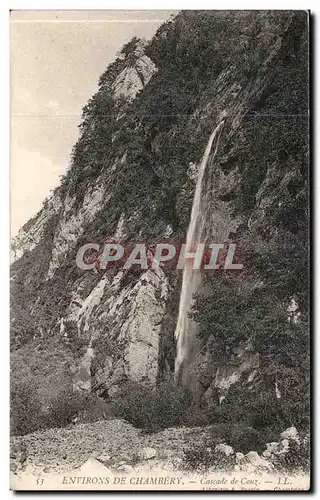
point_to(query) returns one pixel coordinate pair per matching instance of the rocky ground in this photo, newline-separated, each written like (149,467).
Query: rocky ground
(121,447)
(113,442)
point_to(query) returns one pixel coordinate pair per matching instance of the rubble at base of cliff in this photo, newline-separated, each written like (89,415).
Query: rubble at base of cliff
(122,448)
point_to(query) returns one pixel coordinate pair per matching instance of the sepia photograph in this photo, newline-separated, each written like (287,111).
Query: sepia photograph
(160,250)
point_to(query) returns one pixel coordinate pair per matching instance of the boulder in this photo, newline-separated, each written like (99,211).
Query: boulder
(254,458)
(104,458)
(147,453)
(291,434)
(127,469)
(239,456)
(245,467)
(272,449)
(224,448)
(306,440)
(284,446)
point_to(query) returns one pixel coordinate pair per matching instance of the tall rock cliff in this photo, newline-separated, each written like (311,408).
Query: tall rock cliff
(132,178)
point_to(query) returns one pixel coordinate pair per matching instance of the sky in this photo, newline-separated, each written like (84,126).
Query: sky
(56,60)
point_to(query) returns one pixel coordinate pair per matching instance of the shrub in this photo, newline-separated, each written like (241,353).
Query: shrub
(296,459)
(151,409)
(64,407)
(254,416)
(94,409)
(194,416)
(25,407)
(202,458)
(245,438)
(29,413)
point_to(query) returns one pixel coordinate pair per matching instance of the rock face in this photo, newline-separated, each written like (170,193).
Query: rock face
(32,232)
(131,350)
(71,224)
(133,79)
(136,313)
(247,363)
(132,178)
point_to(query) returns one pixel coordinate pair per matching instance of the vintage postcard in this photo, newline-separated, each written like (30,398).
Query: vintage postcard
(160,250)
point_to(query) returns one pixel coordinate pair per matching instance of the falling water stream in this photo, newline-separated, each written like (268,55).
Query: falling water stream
(186,329)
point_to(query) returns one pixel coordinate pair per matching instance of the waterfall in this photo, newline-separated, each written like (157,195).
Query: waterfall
(186,329)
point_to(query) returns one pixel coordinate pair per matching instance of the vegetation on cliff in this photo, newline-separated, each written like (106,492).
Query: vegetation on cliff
(253,67)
